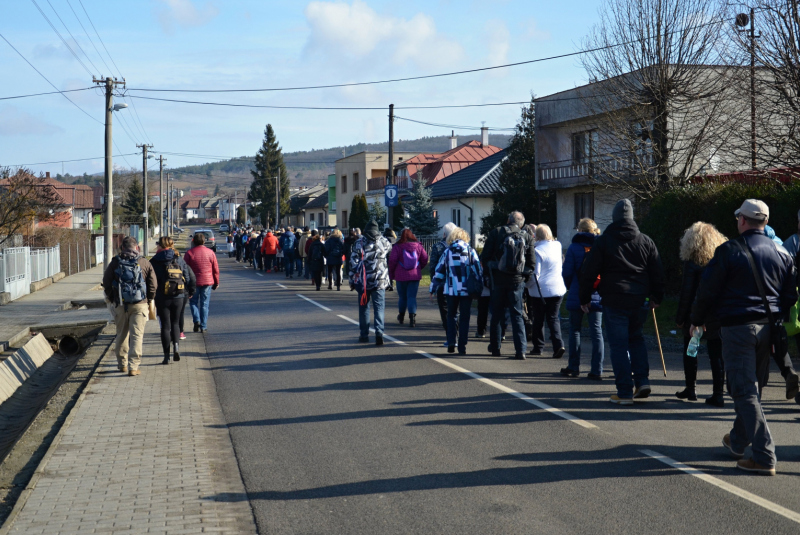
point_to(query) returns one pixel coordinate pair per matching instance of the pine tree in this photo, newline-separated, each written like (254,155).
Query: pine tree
(397,216)
(269,164)
(518,187)
(420,218)
(216,191)
(377,212)
(133,205)
(359,212)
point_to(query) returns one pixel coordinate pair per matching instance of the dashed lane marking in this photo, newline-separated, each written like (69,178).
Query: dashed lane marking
(736,491)
(390,338)
(323,307)
(282,286)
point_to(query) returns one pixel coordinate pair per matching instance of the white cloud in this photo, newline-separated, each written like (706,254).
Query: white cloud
(184,13)
(498,42)
(14,122)
(533,33)
(358,32)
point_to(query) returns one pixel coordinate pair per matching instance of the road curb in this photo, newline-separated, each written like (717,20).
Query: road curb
(5,529)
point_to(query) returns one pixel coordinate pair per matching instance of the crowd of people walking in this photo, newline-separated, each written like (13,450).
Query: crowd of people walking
(738,295)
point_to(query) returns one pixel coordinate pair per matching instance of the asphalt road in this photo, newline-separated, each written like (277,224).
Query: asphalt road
(333,436)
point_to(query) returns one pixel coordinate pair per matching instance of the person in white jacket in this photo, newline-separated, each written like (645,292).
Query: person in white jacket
(546,289)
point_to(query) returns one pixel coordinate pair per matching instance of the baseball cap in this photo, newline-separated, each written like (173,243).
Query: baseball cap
(754,209)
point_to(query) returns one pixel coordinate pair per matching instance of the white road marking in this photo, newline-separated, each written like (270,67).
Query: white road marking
(390,338)
(736,491)
(519,395)
(260,274)
(281,285)
(354,322)
(323,307)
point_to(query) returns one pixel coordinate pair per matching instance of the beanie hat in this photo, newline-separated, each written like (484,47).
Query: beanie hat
(622,210)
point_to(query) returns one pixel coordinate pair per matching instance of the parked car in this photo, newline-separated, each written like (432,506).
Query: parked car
(211,242)
(224,227)
(176,229)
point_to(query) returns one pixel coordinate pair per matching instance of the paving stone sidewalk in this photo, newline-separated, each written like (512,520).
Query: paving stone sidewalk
(146,454)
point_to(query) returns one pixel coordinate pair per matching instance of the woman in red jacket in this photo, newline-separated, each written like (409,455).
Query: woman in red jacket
(406,261)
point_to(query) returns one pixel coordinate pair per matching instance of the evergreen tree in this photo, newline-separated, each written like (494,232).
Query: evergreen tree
(397,216)
(359,212)
(269,164)
(240,215)
(420,218)
(216,190)
(377,212)
(133,204)
(518,186)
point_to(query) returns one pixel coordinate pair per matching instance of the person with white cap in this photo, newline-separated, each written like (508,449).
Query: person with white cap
(749,286)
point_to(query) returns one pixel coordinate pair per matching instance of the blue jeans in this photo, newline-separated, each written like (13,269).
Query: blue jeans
(508,298)
(199,305)
(407,296)
(595,332)
(288,263)
(378,298)
(307,273)
(460,305)
(628,349)
(298,265)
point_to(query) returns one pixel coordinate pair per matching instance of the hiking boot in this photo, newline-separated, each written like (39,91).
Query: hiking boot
(123,369)
(462,351)
(493,351)
(412,320)
(620,401)
(594,377)
(451,349)
(363,339)
(641,392)
(480,334)
(535,352)
(166,360)
(792,385)
(566,372)
(716,400)
(519,356)
(134,373)
(749,465)
(687,393)
(378,339)
(176,356)
(726,441)
(559,353)
(401,317)
(197,327)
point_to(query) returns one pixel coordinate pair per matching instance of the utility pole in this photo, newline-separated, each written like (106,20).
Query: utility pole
(753,88)
(277,203)
(108,231)
(390,177)
(145,193)
(161,193)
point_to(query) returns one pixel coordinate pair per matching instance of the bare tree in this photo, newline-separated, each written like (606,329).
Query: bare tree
(24,199)
(661,107)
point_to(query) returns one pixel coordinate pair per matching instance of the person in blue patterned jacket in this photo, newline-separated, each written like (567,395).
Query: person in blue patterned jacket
(451,274)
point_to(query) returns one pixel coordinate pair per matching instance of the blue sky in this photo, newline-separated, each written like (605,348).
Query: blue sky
(201,44)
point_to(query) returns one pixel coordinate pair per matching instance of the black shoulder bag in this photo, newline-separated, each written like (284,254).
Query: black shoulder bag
(778,338)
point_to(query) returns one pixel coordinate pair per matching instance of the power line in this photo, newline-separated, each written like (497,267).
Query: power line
(342,108)
(88,36)
(453,126)
(62,38)
(99,38)
(48,81)
(73,37)
(70,161)
(47,93)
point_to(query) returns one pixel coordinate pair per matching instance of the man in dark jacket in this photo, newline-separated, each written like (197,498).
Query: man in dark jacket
(630,271)
(369,275)
(437,250)
(130,283)
(507,287)
(729,289)
(287,245)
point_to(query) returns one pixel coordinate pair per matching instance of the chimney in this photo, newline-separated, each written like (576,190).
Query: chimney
(453,139)
(47,174)
(484,135)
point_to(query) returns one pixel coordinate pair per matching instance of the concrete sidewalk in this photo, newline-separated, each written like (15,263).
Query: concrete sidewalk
(146,454)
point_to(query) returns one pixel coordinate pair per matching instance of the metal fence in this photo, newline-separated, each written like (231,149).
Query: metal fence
(99,250)
(15,271)
(45,263)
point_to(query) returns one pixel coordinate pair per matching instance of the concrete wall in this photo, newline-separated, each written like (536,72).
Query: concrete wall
(481,206)
(604,201)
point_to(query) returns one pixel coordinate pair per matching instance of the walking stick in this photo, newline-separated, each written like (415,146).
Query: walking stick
(655,322)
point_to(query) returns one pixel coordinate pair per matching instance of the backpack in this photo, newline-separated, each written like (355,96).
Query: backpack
(288,242)
(129,281)
(409,260)
(512,259)
(244,239)
(316,253)
(176,283)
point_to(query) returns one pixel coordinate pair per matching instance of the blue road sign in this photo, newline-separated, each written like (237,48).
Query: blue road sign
(390,195)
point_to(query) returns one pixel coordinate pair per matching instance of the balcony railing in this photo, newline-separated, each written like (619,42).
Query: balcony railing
(590,169)
(380,183)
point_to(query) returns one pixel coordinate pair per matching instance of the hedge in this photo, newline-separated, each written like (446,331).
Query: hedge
(671,213)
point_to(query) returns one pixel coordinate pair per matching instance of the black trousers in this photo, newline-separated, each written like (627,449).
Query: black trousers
(169,312)
(441,300)
(183,307)
(717,366)
(316,276)
(545,311)
(483,312)
(334,275)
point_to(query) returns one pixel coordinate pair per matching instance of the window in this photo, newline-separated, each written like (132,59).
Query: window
(584,206)
(643,135)
(344,183)
(320,218)
(355,181)
(344,219)
(456,216)
(312,216)
(584,146)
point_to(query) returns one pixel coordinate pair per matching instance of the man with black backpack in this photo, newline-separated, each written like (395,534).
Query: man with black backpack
(750,286)
(508,257)
(130,283)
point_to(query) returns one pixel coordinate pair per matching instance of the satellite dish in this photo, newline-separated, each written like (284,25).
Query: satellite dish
(742,20)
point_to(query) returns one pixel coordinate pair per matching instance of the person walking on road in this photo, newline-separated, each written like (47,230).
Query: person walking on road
(176,282)
(130,284)
(437,250)
(581,244)
(269,249)
(369,275)
(697,249)
(334,249)
(316,258)
(451,273)
(203,262)
(630,270)
(508,256)
(749,286)
(546,289)
(351,239)
(287,245)
(301,249)
(406,262)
